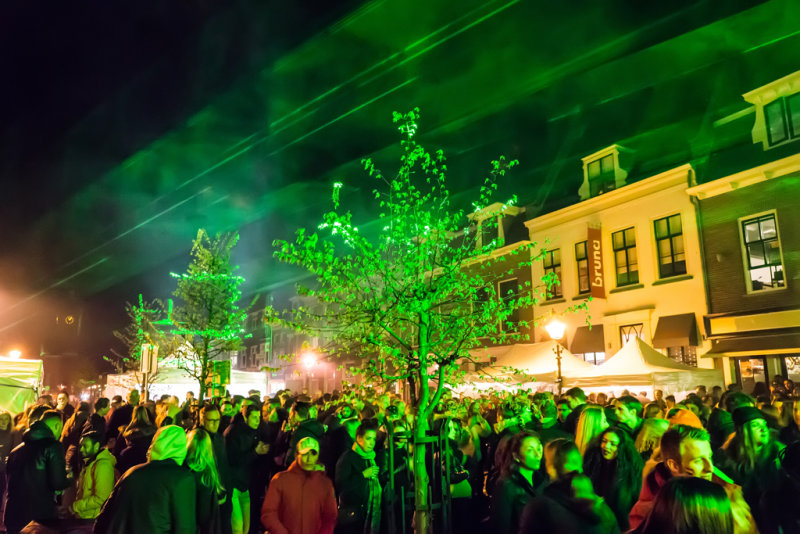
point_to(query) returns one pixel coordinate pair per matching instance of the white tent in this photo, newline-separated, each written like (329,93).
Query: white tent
(174,381)
(639,365)
(19,383)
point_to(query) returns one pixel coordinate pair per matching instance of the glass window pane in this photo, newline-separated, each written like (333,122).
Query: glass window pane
(617,239)
(793,103)
(594,169)
(756,253)
(580,251)
(773,252)
(630,237)
(677,244)
(620,258)
(632,258)
(557,256)
(607,164)
(675,226)
(661,228)
(768,228)
(751,232)
(777,275)
(776,123)
(761,278)
(664,251)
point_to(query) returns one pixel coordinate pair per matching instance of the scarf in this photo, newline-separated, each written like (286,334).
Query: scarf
(372,524)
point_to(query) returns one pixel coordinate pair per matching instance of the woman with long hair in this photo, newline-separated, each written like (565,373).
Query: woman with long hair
(689,505)
(615,469)
(210,493)
(520,477)
(590,424)
(136,439)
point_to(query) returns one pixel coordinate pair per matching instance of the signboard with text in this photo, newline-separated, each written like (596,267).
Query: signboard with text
(594,252)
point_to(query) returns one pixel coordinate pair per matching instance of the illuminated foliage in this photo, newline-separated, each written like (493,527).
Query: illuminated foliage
(142,328)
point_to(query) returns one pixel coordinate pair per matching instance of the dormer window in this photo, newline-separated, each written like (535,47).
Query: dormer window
(777,107)
(490,223)
(602,172)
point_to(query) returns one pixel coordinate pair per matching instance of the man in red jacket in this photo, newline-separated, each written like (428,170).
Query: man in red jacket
(300,500)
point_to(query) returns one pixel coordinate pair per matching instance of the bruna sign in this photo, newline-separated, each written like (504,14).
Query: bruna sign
(595,253)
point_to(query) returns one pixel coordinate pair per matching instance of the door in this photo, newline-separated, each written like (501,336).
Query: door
(750,370)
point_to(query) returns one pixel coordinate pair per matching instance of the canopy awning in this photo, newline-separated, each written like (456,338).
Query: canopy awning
(676,331)
(588,339)
(774,343)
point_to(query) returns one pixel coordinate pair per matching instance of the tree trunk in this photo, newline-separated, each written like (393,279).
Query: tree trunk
(422,512)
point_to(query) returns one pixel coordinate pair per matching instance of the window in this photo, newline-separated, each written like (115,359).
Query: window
(686,354)
(624,244)
(508,291)
(594,357)
(783,119)
(763,252)
(669,244)
(488,231)
(601,175)
(552,267)
(582,261)
(628,332)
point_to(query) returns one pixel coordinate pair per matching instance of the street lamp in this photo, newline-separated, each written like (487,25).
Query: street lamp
(555,329)
(308,359)
(15,354)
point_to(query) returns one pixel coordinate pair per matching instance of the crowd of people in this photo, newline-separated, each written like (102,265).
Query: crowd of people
(717,462)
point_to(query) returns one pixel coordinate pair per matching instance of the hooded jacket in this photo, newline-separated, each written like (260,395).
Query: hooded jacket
(36,470)
(310,428)
(510,496)
(299,502)
(657,475)
(137,441)
(558,512)
(95,485)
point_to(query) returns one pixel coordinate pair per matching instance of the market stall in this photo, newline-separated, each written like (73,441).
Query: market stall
(20,380)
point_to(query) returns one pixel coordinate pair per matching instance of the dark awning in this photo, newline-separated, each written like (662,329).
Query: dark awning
(676,331)
(587,340)
(788,342)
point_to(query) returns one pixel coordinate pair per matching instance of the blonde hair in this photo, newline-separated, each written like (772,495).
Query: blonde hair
(590,425)
(200,458)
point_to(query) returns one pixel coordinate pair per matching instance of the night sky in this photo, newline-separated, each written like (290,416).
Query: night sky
(126,127)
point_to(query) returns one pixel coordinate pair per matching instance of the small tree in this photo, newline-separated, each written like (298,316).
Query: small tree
(413,299)
(208,322)
(141,329)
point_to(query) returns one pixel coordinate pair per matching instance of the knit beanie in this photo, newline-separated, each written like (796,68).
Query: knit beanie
(169,443)
(745,414)
(682,416)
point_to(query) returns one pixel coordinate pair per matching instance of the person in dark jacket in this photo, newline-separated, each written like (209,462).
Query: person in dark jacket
(122,415)
(242,446)
(158,497)
(63,406)
(97,421)
(135,440)
(300,500)
(358,484)
(36,470)
(689,505)
(305,427)
(71,437)
(520,477)
(568,506)
(779,507)
(210,492)
(209,421)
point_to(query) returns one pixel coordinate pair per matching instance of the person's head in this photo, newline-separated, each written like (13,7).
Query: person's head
(300,412)
(524,451)
(562,457)
(169,443)
(209,418)
(627,410)
(659,395)
(62,400)
(736,399)
(133,397)
(5,421)
(351,427)
(609,443)
(752,434)
(653,410)
(563,409)
(140,417)
(365,435)
(226,408)
(689,505)
(200,458)
(649,437)
(669,400)
(575,396)
(52,419)
(308,454)
(102,406)
(190,396)
(590,424)
(602,399)
(686,451)
(90,444)
(252,415)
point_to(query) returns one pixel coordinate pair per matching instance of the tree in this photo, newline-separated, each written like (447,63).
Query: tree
(141,329)
(208,322)
(413,299)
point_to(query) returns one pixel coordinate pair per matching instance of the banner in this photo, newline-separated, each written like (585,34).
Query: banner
(594,251)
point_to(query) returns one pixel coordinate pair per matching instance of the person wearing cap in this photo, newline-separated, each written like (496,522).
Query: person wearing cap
(157,497)
(301,500)
(751,457)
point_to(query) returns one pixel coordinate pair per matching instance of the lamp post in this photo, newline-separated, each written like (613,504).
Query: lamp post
(555,329)
(309,361)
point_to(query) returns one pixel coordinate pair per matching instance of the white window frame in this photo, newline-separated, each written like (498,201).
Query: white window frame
(743,253)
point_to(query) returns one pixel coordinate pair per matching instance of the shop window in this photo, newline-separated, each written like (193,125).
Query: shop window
(628,332)
(552,268)
(762,250)
(625,258)
(669,244)
(508,291)
(686,355)
(582,264)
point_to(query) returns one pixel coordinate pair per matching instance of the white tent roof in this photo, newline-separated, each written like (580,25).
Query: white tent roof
(19,381)
(538,360)
(639,364)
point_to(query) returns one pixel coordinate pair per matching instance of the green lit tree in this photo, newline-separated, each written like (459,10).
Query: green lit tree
(142,328)
(207,320)
(414,299)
